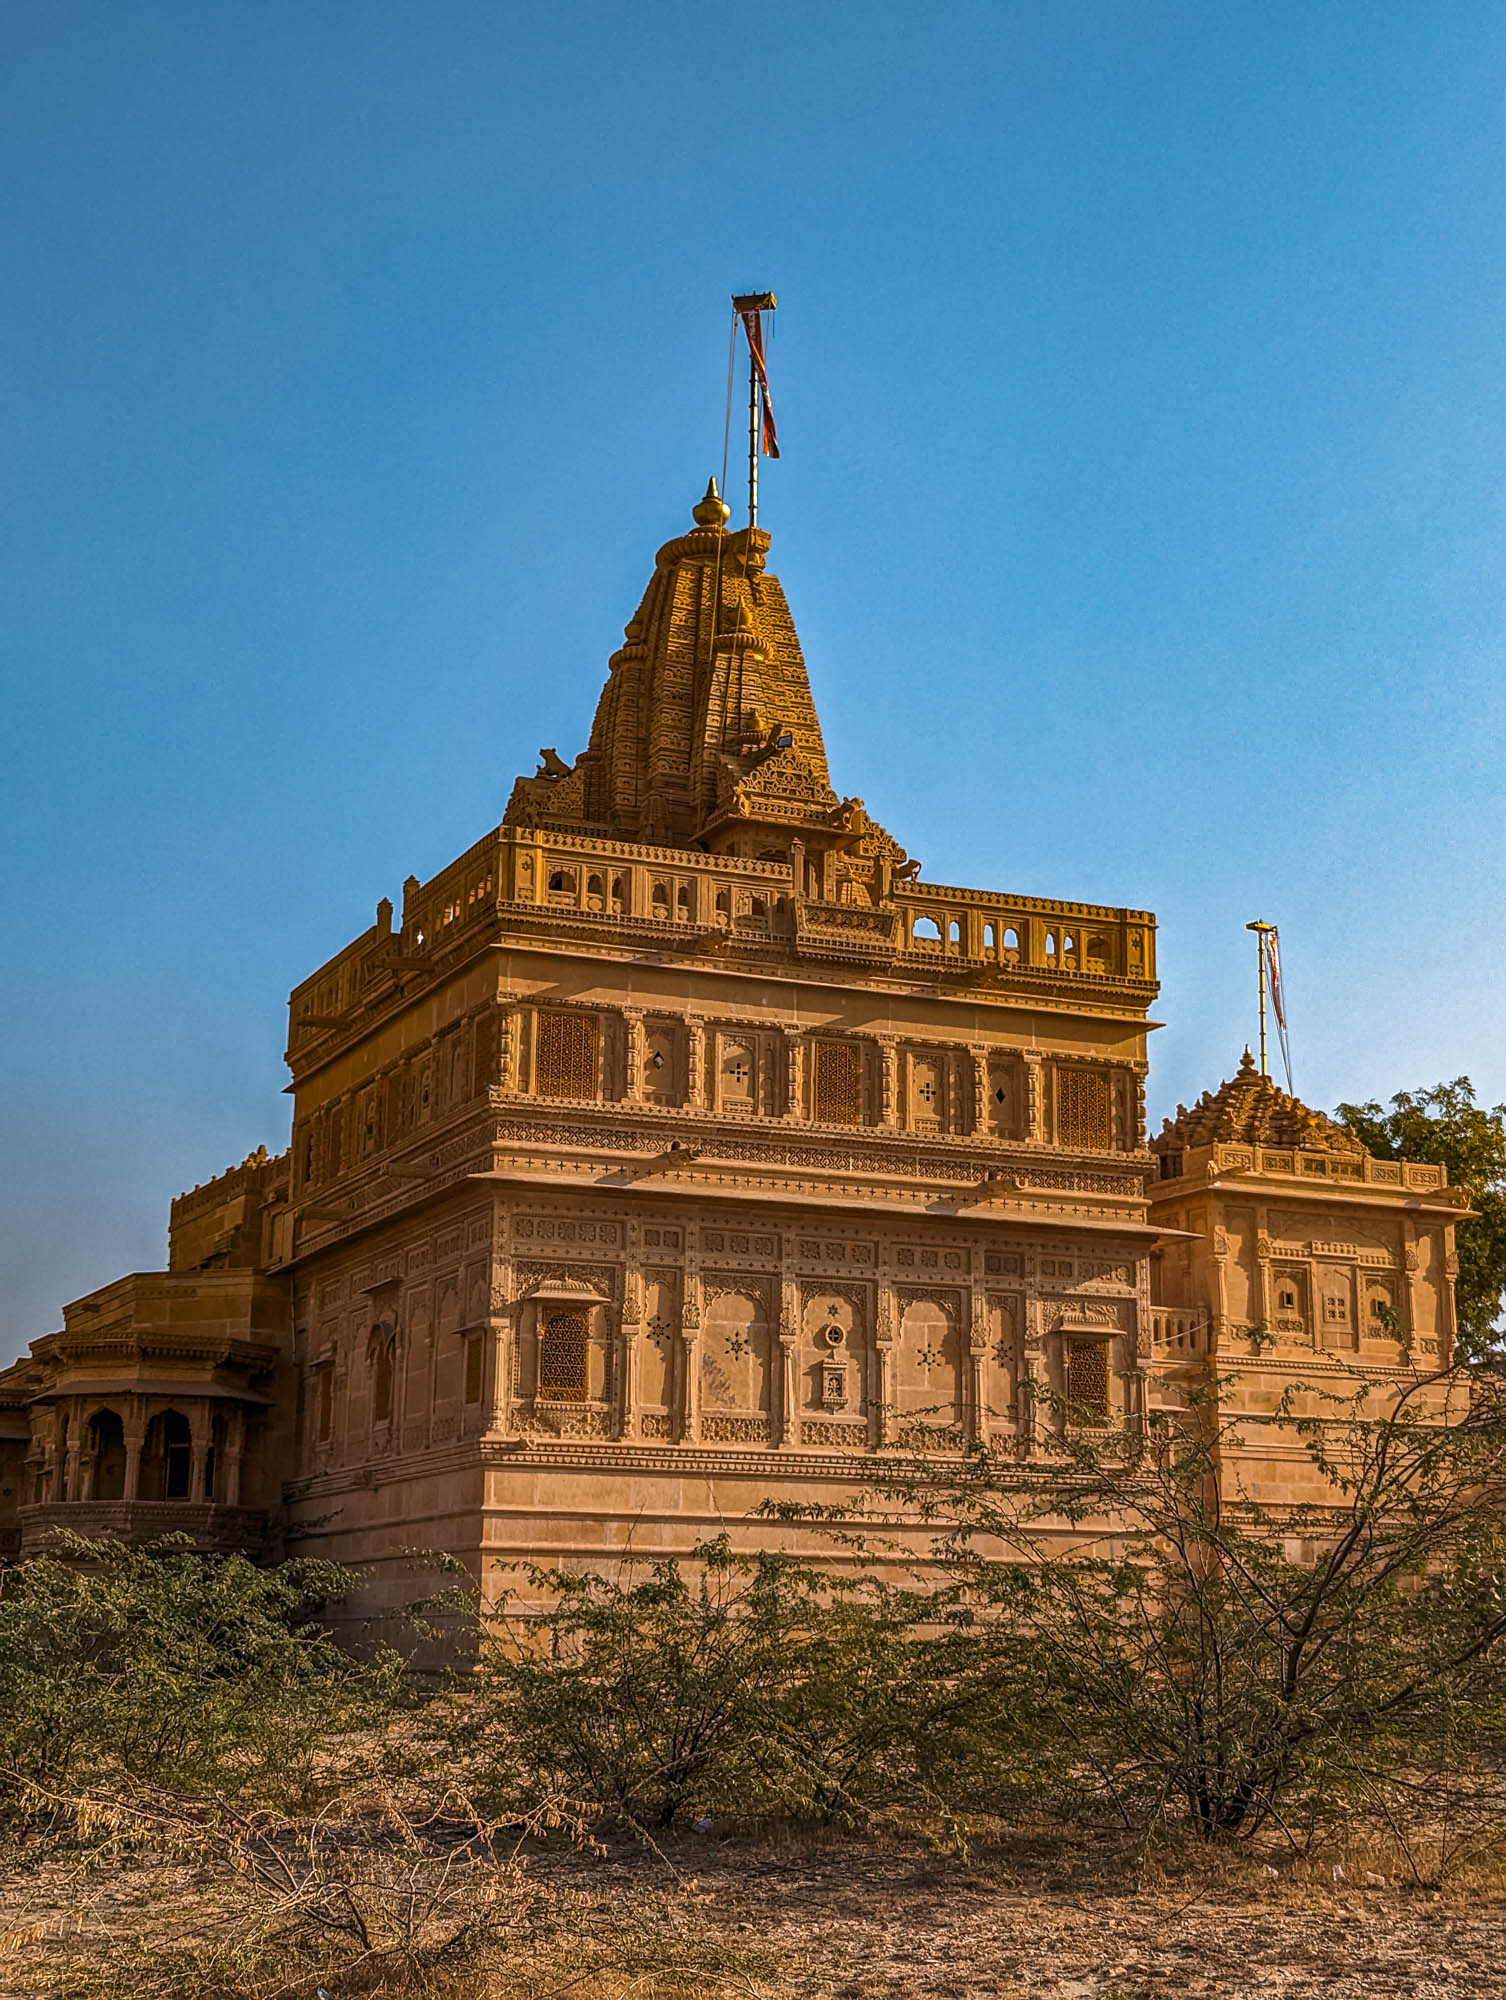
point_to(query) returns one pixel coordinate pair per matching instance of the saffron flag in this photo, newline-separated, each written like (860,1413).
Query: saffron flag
(769,437)
(1271,941)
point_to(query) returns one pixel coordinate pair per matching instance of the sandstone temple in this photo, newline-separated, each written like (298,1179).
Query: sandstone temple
(677,1147)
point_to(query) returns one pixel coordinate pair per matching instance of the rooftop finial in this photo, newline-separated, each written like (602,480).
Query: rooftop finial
(711,510)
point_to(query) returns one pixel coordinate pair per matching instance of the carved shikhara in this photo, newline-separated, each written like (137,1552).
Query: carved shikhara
(676,1147)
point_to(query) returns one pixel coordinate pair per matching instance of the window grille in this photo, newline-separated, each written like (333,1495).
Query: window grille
(562,1359)
(1082,1108)
(1088,1380)
(566,1064)
(838,1088)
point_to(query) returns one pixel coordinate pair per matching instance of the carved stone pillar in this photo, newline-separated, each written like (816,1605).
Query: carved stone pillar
(134,1441)
(508,1019)
(979,1116)
(695,1063)
(690,1373)
(976,1419)
(1134,1401)
(1262,1273)
(198,1450)
(789,1355)
(888,1082)
(1447,1323)
(499,1368)
(1035,1098)
(789,1345)
(633,1039)
(235,1452)
(630,1338)
(690,1386)
(527,1039)
(1031,1408)
(497,1374)
(794,1073)
(1412,1275)
(885,1326)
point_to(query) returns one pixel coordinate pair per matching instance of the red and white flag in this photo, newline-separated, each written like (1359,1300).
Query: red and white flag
(753,328)
(1271,940)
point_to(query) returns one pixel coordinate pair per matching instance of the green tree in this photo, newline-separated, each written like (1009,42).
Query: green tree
(748,1683)
(1446,1126)
(1193,1655)
(156,1665)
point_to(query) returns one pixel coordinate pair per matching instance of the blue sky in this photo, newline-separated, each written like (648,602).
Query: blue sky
(1140,375)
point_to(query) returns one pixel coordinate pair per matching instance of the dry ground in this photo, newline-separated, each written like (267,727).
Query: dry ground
(774,1917)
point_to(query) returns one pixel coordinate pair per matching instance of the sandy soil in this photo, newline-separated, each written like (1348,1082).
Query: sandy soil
(864,1923)
(851,1920)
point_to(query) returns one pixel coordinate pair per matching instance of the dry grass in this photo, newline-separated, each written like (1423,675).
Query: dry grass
(774,1913)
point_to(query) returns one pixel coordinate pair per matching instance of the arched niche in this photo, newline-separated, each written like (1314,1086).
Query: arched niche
(736,1360)
(927,1364)
(106,1444)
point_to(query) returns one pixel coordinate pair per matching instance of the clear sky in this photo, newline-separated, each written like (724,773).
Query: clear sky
(1140,374)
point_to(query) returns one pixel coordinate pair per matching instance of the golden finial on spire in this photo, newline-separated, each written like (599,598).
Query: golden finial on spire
(711,511)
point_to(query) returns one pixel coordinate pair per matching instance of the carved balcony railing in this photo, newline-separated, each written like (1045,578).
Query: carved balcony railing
(212,1527)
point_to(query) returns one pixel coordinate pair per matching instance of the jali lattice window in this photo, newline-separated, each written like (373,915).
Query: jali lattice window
(1082,1108)
(1088,1380)
(566,1059)
(562,1359)
(837,1089)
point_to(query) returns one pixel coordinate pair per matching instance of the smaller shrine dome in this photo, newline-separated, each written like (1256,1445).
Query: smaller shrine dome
(1249,1110)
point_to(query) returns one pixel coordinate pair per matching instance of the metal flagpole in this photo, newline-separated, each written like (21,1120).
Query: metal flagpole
(750,307)
(1260,930)
(753,440)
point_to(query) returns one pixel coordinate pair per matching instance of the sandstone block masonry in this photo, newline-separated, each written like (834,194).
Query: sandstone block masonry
(677,1148)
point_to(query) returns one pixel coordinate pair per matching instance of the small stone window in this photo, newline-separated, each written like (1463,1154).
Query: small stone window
(837,1083)
(1003,1109)
(566,1059)
(562,1358)
(562,882)
(1088,1381)
(1335,1309)
(1286,1298)
(660,1070)
(927,1093)
(738,1080)
(1082,1109)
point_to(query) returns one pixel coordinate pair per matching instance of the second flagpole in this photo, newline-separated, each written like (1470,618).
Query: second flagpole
(1260,930)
